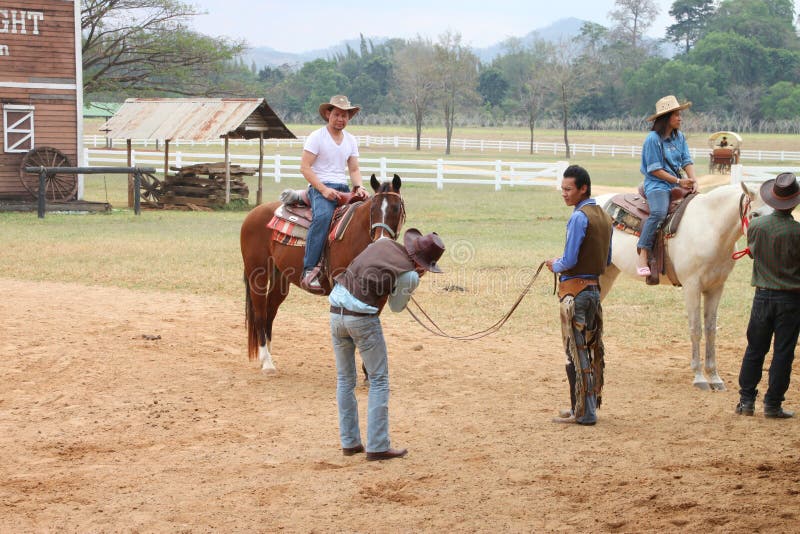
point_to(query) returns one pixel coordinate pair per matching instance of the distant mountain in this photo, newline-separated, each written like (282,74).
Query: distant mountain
(264,55)
(561,29)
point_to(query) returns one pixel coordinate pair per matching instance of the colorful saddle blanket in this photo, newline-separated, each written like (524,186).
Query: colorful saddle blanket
(628,211)
(292,219)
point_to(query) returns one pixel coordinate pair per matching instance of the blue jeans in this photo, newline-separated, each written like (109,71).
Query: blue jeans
(321,214)
(587,303)
(347,333)
(778,313)
(659,205)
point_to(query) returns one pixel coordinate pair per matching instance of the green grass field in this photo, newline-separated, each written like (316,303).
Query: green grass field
(495,240)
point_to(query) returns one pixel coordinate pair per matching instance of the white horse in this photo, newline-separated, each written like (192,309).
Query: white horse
(700,252)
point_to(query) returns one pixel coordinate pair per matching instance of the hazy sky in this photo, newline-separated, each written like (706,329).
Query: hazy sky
(301,25)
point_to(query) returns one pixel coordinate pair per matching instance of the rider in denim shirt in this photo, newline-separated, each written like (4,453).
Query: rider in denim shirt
(664,154)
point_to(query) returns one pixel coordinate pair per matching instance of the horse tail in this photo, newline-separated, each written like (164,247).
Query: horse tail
(249,321)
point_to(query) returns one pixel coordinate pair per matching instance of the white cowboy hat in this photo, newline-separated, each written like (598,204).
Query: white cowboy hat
(338,101)
(668,104)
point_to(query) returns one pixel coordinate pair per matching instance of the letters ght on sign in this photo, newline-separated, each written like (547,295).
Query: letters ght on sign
(18,21)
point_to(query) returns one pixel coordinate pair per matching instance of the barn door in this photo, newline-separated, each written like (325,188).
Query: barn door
(18,128)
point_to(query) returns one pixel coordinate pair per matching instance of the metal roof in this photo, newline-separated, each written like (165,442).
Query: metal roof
(195,119)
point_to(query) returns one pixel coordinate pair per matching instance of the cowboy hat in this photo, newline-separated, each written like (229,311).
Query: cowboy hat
(425,250)
(782,192)
(338,101)
(668,104)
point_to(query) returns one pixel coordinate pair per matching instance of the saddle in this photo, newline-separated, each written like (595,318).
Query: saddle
(292,219)
(628,213)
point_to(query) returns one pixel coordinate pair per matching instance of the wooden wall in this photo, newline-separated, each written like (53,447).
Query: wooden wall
(38,68)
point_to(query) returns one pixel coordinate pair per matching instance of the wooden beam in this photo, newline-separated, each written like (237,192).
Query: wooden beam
(166,158)
(227,171)
(130,176)
(260,166)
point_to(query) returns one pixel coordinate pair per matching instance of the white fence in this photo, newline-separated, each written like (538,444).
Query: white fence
(479,145)
(438,171)
(750,173)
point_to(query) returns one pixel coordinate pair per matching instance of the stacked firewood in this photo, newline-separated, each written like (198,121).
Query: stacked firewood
(203,185)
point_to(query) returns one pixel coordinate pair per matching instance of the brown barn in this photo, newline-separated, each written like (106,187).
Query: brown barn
(40,88)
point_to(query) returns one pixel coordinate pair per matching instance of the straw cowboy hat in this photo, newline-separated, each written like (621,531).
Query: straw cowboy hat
(782,192)
(338,101)
(665,105)
(426,250)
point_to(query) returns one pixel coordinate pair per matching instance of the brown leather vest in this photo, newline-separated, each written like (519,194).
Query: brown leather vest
(372,275)
(593,254)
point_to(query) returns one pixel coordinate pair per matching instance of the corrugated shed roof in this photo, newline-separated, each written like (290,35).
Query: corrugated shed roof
(195,119)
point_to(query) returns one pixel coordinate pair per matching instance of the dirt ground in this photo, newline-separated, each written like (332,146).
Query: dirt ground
(103,430)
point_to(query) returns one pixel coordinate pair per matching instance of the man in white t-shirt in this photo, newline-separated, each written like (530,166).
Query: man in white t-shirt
(327,152)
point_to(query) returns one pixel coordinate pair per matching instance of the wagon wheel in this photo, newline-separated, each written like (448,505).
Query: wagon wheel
(60,186)
(150,188)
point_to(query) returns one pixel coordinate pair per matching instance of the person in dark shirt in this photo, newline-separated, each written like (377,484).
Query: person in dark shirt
(774,243)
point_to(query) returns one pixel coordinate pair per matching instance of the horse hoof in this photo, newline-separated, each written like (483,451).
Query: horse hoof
(702,386)
(718,386)
(269,370)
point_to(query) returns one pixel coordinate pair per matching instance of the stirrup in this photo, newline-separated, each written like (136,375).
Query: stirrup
(310,281)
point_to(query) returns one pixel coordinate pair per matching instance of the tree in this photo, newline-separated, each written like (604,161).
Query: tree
(781,101)
(492,86)
(523,67)
(143,45)
(768,22)
(633,18)
(568,82)
(414,79)
(692,17)
(457,73)
(738,59)
(657,77)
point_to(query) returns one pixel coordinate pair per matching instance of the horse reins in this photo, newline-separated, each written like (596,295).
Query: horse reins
(436,330)
(744,211)
(392,232)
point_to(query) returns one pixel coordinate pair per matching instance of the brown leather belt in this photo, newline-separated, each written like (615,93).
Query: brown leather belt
(340,310)
(573,286)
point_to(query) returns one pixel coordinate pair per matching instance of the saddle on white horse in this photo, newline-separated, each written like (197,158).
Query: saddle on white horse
(628,212)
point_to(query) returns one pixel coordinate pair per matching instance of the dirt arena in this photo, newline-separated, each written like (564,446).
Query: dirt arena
(104,430)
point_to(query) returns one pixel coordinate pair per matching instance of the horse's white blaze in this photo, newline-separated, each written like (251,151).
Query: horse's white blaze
(383,233)
(701,254)
(264,356)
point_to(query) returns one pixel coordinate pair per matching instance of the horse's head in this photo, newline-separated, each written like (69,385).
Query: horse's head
(387,211)
(756,207)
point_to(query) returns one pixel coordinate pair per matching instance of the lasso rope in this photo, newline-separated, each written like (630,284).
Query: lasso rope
(436,330)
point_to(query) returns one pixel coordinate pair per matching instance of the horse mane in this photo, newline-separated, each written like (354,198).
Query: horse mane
(724,190)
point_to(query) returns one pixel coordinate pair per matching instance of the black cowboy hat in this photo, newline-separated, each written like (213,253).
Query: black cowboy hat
(782,192)
(425,249)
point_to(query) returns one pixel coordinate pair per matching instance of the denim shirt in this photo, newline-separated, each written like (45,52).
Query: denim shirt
(655,151)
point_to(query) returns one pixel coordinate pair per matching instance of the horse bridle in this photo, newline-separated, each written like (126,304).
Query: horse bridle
(392,232)
(744,210)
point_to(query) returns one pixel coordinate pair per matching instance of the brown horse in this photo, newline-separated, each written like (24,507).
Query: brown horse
(269,266)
